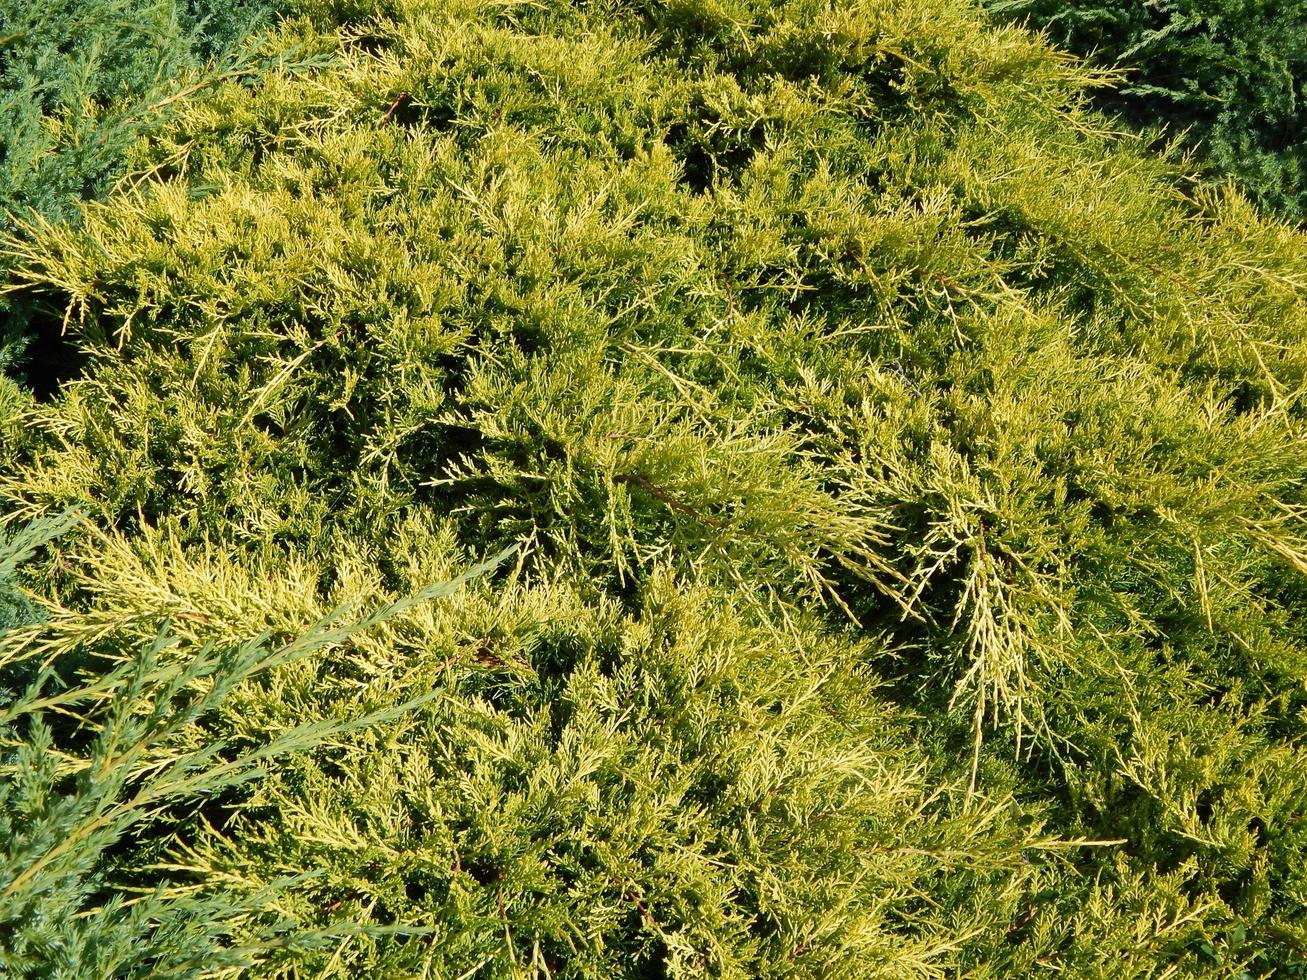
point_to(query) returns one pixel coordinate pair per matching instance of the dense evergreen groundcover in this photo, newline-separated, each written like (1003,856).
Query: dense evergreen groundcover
(1228,76)
(658,488)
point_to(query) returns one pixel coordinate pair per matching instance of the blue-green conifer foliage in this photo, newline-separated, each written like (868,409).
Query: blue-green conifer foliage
(80,82)
(1228,76)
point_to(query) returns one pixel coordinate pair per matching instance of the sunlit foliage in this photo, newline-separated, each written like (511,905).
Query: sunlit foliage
(906,475)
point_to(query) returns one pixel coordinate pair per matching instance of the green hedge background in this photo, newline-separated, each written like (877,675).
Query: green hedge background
(1229,75)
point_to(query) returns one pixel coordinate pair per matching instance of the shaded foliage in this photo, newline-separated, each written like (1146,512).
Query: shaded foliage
(1230,75)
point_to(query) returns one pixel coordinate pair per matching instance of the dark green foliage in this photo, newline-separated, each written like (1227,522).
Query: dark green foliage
(909,479)
(80,82)
(1230,74)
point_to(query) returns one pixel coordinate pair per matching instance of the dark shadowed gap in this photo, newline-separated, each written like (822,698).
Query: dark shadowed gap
(51,357)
